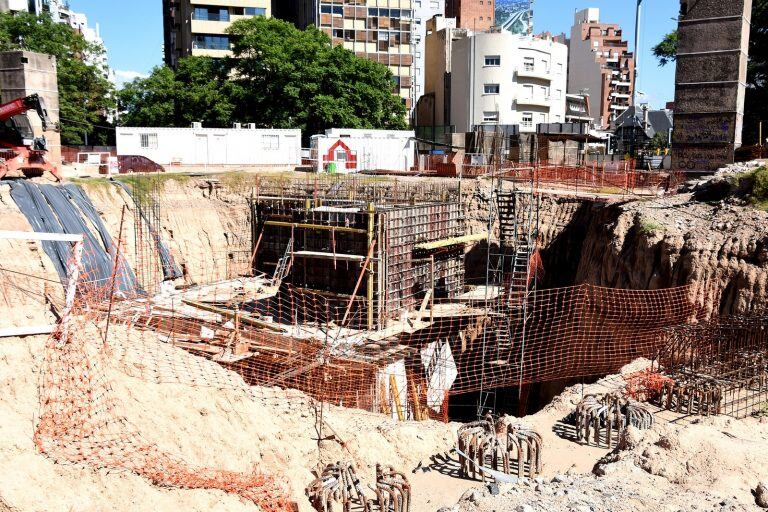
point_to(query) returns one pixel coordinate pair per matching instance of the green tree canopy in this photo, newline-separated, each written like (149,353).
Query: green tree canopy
(666,50)
(278,77)
(296,78)
(85,94)
(199,90)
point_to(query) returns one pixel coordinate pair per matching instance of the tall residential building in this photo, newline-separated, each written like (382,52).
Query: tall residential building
(477,15)
(423,11)
(198,27)
(61,12)
(601,66)
(503,78)
(380,30)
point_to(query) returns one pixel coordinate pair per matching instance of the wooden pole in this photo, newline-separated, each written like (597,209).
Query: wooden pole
(114,272)
(369,291)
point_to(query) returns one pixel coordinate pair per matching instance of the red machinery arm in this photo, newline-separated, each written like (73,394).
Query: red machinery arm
(22,105)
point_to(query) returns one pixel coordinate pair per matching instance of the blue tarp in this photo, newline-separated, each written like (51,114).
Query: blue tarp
(64,209)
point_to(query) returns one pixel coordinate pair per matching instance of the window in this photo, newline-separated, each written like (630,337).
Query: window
(528,63)
(270,142)
(332,9)
(493,60)
(527,120)
(545,65)
(210,14)
(210,42)
(491,89)
(148,140)
(544,92)
(255,11)
(528,92)
(490,117)
(559,68)
(558,94)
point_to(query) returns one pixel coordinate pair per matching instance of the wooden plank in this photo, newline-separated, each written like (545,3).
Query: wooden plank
(321,227)
(32,235)
(447,242)
(12,332)
(396,397)
(245,318)
(328,256)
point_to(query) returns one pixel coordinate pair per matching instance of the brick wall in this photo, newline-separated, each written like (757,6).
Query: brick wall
(471,14)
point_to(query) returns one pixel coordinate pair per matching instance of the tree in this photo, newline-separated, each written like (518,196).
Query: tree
(85,94)
(297,79)
(199,90)
(666,50)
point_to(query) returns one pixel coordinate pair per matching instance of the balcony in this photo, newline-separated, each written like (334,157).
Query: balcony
(620,108)
(620,83)
(620,95)
(534,72)
(536,101)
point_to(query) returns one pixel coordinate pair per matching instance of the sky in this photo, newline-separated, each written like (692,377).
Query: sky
(133,34)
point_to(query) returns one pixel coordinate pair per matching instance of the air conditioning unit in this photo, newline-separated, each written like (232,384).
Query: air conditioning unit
(237,126)
(251,126)
(197,125)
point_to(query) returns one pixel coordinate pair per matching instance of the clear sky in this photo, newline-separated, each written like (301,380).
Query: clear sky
(133,34)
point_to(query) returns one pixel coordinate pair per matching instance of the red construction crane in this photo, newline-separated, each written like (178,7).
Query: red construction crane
(22,155)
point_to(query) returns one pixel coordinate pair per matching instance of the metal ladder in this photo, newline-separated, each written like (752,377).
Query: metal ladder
(283,265)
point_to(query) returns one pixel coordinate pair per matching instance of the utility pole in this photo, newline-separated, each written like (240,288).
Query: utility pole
(637,50)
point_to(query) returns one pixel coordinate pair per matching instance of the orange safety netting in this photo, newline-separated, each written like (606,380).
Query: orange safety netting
(80,420)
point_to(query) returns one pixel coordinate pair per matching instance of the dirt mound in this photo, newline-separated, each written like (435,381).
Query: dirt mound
(230,427)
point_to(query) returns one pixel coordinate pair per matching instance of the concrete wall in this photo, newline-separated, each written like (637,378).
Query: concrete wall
(211,146)
(538,93)
(23,73)
(710,83)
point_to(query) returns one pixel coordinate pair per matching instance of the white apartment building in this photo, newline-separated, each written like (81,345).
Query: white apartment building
(60,12)
(504,78)
(423,11)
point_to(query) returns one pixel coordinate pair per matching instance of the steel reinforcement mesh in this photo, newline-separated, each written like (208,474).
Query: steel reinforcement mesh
(274,335)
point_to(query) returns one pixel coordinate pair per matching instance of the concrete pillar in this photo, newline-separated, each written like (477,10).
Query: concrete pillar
(710,83)
(23,73)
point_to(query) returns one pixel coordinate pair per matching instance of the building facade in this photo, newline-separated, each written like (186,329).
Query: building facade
(379,30)
(423,11)
(477,15)
(434,106)
(198,28)
(601,66)
(500,78)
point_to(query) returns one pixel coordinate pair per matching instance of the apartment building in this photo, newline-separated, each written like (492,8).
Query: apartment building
(198,27)
(477,15)
(508,79)
(600,65)
(380,30)
(60,12)
(423,11)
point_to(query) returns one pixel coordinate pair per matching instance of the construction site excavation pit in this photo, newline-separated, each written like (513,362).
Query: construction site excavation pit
(355,321)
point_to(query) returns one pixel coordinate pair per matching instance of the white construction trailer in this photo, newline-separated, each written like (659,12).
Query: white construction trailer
(212,147)
(341,150)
